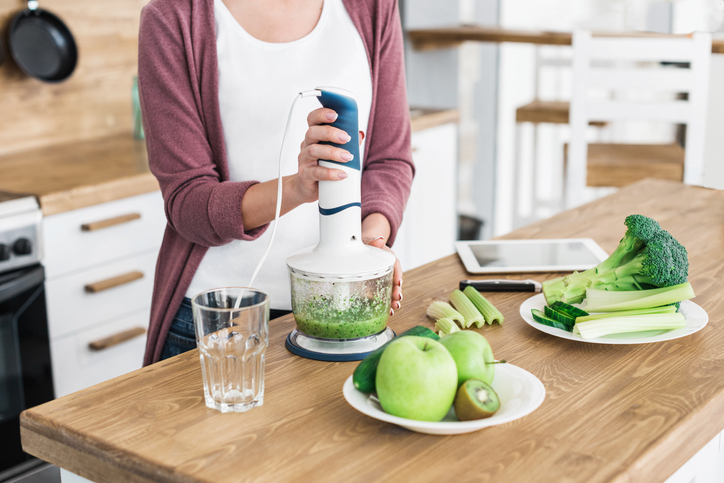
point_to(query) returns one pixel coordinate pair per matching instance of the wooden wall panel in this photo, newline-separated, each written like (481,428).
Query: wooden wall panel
(96,100)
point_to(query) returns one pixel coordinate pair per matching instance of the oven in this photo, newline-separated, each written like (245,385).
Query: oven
(25,372)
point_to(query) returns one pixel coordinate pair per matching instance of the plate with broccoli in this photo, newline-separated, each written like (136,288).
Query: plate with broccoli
(639,294)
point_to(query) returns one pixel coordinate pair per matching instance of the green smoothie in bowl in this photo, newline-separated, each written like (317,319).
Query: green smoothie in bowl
(342,310)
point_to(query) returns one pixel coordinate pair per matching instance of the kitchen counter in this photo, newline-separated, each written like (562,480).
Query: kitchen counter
(76,175)
(612,413)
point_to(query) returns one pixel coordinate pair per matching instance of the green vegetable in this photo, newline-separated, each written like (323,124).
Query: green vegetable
(559,316)
(646,257)
(488,310)
(463,305)
(446,326)
(666,309)
(364,375)
(568,309)
(605,301)
(635,323)
(539,316)
(443,310)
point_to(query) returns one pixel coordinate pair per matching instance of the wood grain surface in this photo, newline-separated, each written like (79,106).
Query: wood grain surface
(96,100)
(446,37)
(612,413)
(78,174)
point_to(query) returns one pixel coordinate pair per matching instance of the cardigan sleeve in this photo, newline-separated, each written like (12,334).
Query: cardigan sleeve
(199,205)
(389,170)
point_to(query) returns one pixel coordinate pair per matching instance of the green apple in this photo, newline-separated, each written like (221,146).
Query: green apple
(473,355)
(416,379)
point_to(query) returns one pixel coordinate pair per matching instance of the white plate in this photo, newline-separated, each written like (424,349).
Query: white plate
(696,319)
(520,393)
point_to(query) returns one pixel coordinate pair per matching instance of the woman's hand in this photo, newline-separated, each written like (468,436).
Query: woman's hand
(376,232)
(309,173)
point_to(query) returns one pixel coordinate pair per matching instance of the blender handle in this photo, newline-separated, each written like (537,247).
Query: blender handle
(345,105)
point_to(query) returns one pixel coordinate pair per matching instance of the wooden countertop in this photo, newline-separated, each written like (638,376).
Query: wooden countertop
(612,413)
(75,175)
(445,37)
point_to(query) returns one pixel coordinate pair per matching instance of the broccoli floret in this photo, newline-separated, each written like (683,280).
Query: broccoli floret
(646,257)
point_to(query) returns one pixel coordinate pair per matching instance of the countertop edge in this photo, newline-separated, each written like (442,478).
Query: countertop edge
(84,196)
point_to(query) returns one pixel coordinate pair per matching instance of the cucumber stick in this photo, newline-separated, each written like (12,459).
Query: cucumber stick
(559,316)
(540,316)
(364,375)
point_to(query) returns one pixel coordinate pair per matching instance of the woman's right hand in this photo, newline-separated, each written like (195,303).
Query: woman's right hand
(310,173)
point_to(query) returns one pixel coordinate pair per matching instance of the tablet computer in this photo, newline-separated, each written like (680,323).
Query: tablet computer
(538,255)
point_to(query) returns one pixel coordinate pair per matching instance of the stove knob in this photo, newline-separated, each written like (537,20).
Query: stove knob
(4,252)
(22,246)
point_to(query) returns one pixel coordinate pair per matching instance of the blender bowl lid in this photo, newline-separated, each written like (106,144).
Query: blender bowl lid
(363,263)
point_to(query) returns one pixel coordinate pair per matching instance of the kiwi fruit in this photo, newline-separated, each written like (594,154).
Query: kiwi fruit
(475,399)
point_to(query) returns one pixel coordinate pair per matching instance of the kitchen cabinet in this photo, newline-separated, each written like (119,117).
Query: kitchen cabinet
(429,226)
(100,262)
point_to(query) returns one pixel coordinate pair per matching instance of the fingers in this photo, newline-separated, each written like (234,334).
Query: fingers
(396,303)
(330,134)
(320,173)
(314,152)
(322,115)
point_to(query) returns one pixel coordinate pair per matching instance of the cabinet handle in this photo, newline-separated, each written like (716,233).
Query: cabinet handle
(96,287)
(97,225)
(115,339)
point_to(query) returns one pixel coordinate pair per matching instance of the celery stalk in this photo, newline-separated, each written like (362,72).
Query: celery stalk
(463,305)
(635,323)
(612,301)
(666,309)
(443,310)
(488,310)
(446,326)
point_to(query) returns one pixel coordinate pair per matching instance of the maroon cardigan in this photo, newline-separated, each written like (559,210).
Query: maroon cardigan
(178,83)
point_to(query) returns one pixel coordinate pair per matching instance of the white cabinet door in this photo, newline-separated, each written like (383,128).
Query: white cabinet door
(77,366)
(429,227)
(76,239)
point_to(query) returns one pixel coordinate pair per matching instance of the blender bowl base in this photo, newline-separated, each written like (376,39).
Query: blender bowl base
(336,350)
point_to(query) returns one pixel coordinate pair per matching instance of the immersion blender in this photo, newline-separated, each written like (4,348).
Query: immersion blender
(341,289)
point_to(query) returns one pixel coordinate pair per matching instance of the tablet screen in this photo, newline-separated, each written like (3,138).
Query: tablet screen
(534,254)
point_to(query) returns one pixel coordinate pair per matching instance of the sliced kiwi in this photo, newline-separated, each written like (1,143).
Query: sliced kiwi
(475,400)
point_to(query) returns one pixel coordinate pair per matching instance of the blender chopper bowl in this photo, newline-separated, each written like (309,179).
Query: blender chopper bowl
(341,308)
(342,288)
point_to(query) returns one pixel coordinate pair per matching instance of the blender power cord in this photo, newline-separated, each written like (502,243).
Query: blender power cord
(277,213)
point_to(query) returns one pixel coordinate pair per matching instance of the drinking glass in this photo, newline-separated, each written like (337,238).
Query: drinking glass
(232,343)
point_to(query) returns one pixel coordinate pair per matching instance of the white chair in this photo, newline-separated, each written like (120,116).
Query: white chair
(648,64)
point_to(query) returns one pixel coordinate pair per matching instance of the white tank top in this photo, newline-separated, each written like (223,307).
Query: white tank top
(257,84)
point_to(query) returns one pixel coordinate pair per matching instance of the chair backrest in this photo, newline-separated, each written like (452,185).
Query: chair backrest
(665,64)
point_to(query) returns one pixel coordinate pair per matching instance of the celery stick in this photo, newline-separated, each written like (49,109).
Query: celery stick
(446,326)
(666,309)
(488,310)
(441,310)
(605,301)
(463,305)
(635,323)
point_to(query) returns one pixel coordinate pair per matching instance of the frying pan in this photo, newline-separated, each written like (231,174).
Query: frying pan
(41,44)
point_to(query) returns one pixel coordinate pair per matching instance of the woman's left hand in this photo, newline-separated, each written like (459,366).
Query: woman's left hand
(375,232)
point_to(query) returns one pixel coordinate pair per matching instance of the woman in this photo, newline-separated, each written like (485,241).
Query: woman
(216,79)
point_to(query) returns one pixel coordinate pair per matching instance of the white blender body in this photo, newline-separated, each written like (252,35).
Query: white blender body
(341,289)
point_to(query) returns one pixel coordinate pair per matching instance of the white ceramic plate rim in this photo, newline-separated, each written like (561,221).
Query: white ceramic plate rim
(696,319)
(529,393)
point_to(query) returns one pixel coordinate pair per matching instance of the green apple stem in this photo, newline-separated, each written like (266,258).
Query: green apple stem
(497,362)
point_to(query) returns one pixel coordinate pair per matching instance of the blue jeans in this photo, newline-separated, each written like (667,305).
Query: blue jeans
(182,335)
